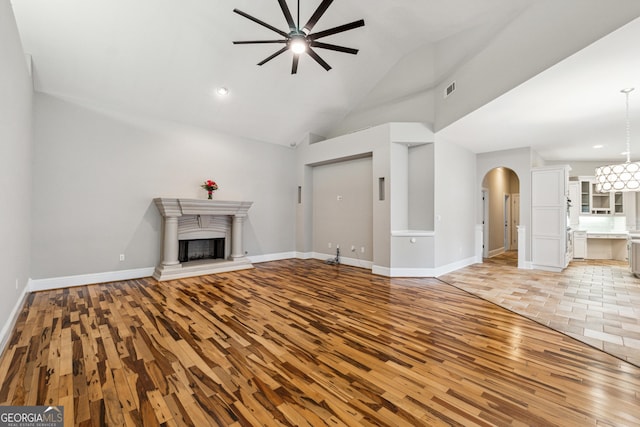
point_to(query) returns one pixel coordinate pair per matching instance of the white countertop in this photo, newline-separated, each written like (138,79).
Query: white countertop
(608,235)
(604,233)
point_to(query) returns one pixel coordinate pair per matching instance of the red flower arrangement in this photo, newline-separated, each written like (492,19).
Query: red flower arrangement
(210,186)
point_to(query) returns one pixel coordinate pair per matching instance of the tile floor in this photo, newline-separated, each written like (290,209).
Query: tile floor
(594,301)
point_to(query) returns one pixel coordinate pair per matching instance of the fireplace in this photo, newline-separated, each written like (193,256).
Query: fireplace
(201,237)
(198,249)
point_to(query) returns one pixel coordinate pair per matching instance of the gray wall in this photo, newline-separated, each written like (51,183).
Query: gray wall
(378,142)
(421,187)
(372,142)
(349,221)
(102,172)
(455,176)
(15,168)
(582,167)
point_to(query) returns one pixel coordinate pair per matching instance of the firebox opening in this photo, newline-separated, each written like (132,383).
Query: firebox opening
(192,250)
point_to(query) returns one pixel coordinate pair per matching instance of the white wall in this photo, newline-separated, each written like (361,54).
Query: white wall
(543,35)
(404,94)
(97,174)
(15,169)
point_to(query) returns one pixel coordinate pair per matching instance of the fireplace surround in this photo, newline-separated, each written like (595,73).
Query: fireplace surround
(194,220)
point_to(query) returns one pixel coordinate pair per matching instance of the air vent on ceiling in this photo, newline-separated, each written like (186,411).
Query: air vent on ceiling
(450,89)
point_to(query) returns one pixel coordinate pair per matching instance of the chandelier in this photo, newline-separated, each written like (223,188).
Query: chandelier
(624,176)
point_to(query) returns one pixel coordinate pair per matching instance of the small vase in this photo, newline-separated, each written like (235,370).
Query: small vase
(210,195)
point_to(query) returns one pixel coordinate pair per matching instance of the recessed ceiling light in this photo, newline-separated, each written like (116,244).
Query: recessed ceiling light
(222,91)
(598,146)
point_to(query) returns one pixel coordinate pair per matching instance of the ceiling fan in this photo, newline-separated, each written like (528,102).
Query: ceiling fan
(301,40)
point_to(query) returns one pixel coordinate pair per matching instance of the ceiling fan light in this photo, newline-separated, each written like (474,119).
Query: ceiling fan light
(298,46)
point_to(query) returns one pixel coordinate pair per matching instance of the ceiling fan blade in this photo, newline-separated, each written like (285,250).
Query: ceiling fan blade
(317,15)
(264,61)
(259,41)
(287,14)
(294,66)
(333,47)
(317,58)
(259,22)
(336,30)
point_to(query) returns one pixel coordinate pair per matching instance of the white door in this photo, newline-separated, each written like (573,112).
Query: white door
(515,220)
(485,223)
(507,222)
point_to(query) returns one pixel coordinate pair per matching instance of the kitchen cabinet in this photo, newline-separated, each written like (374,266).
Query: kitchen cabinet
(585,197)
(579,244)
(634,253)
(550,239)
(592,202)
(574,206)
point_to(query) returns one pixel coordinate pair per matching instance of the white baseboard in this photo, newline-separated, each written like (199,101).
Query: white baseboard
(304,255)
(423,272)
(525,266)
(496,252)
(7,328)
(35,285)
(455,266)
(88,279)
(272,257)
(354,262)
(112,276)
(546,268)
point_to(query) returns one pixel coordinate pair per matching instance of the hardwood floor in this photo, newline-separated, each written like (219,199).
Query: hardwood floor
(304,343)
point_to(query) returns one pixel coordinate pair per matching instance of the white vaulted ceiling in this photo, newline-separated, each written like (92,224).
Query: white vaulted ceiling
(163,59)
(567,109)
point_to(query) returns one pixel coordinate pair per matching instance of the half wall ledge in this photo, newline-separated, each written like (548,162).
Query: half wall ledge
(187,217)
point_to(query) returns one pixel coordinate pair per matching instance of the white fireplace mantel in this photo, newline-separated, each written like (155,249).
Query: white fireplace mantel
(173,209)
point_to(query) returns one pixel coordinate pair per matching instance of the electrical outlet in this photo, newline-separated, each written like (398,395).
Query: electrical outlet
(361,249)
(353,248)
(17,283)
(338,246)
(121,257)
(339,198)
(329,245)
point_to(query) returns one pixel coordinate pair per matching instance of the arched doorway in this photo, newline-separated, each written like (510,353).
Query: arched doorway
(501,213)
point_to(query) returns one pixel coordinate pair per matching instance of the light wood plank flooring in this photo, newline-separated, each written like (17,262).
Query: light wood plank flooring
(595,301)
(293,343)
